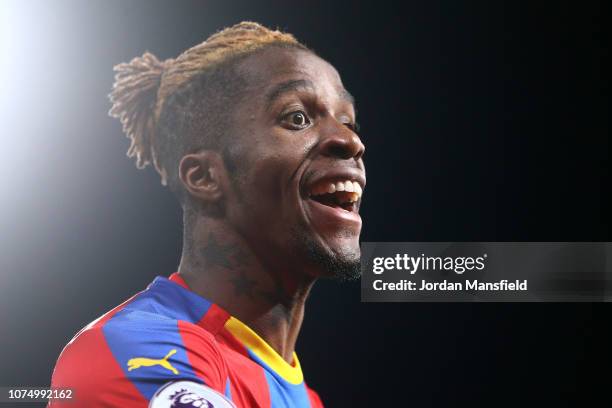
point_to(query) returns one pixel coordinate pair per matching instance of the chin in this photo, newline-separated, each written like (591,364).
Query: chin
(342,262)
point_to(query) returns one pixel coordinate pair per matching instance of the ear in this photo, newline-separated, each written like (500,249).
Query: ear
(204,176)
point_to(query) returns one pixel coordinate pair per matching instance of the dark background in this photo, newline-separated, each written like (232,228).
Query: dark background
(482,122)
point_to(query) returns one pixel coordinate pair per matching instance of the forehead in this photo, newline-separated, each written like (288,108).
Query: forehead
(275,65)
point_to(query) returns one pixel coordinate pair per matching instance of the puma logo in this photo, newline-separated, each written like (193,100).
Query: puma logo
(138,362)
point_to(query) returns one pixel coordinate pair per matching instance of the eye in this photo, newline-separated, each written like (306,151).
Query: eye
(297,119)
(354,126)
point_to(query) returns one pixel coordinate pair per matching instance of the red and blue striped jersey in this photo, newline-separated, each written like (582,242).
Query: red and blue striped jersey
(165,334)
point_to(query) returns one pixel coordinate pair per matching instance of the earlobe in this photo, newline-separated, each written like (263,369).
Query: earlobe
(202,175)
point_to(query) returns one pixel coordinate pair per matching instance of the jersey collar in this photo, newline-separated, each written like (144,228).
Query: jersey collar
(219,322)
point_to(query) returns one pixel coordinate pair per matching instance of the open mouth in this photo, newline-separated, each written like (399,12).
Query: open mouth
(343,194)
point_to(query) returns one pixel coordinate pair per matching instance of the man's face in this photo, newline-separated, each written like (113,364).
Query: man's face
(300,173)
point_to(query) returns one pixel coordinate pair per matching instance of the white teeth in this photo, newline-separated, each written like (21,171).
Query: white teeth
(346,185)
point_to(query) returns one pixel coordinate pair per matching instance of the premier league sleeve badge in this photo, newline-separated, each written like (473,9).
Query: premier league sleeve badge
(188,394)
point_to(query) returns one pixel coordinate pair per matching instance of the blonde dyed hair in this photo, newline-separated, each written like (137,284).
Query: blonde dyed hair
(145,87)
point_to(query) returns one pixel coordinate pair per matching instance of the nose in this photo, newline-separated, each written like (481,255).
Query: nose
(342,142)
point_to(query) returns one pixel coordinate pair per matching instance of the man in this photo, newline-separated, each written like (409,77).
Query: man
(256,135)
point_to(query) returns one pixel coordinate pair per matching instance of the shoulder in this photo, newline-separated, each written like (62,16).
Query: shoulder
(315,400)
(127,355)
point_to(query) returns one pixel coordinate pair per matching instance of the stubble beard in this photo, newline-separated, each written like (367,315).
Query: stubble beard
(343,267)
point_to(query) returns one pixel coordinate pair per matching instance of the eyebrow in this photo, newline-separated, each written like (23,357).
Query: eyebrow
(346,95)
(286,87)
(297,84)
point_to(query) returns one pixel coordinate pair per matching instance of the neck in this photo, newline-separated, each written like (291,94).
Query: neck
(219,265)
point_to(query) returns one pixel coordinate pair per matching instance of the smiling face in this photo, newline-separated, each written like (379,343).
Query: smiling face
(297,188)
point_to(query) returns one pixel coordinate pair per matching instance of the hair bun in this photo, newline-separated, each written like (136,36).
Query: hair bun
(134,99)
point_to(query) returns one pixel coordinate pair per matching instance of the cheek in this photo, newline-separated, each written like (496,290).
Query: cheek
(264,214)
(260,187)
(270,183)
(269,186)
